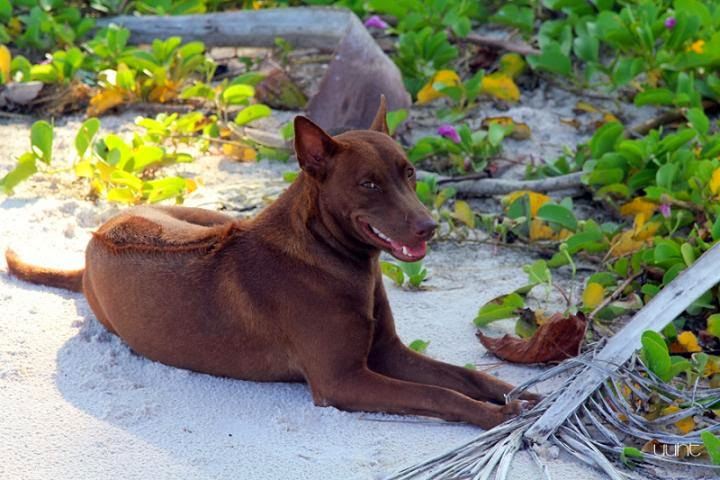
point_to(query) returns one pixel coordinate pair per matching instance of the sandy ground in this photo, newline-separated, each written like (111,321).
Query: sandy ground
(78,404)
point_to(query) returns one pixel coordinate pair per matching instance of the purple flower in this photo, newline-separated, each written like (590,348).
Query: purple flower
(670,23)
(448,131)
(376,22)
(665,210)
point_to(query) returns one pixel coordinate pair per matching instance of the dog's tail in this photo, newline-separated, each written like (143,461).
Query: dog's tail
(67,279)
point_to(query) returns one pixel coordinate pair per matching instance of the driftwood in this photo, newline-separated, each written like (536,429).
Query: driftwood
(487,187)
(358,74)
(501,44)
(301,27)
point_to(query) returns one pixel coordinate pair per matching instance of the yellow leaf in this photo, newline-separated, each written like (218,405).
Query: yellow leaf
(164,93)
(428,93)
(105,171)
(5,59)
(464,213)
(712,366)
(539,230)
(84,169)
(593,295)
(585,107)
(537,200)
(715,181)
(639,236)
(684,425)
(689,342)
(104,100)
(520,131)
(698,46)
(512,64)
(240,152)
(609,117)
(500,86)
(15,26)
(639,206)
(644,231)
(190,185)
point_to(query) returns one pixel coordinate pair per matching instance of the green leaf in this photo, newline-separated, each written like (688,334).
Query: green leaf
(41,139)
(657,355)
(654,96)
(237,94)
(419,345)
(505,306)
(538,272)
(24,169)
(126,179)
(698,120)
(393,272)
(85,135)
(551,59)
(144,157)
(688,253)
(525,327)
(394,119)
(252,113)
(586,47)
(464,213)
(164,188)
(558,215)
(712,446)
(290,176)
(605,139)
(121,195)
(713,324)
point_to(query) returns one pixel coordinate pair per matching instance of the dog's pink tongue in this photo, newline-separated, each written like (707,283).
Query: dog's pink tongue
(418,250)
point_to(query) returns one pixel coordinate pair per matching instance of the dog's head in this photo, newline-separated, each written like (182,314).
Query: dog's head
(368,185)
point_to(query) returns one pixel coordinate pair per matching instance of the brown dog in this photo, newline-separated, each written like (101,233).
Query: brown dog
(293,294)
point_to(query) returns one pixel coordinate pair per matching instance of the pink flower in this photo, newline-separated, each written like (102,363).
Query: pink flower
(376,22)
(448,131)
(665,210)
(670,23)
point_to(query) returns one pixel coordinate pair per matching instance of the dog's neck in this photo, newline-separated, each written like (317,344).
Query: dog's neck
(303,220)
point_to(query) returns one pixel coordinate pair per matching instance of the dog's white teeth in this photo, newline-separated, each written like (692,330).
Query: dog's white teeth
(405,251)
(380,234)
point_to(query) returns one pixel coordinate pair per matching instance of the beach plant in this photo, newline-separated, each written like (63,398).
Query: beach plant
(466,150)
(117,170)
(410,273)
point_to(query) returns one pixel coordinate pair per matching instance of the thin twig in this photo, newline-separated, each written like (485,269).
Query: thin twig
(511,46)
(613,295)
(488,187)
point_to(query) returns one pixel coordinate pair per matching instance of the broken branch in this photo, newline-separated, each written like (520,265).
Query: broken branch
(488,187)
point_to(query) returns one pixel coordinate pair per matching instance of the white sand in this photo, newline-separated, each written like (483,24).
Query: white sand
(76,403)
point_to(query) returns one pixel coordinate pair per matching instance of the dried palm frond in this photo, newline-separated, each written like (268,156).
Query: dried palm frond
(600,413)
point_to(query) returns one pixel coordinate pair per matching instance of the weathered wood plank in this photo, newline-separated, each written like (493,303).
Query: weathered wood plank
(320,28)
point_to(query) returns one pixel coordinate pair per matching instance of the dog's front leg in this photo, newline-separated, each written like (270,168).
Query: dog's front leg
(364,390)
(388,356)
(334,360)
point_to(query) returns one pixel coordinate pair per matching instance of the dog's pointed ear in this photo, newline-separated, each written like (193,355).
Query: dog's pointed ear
(379,124)
(313,147)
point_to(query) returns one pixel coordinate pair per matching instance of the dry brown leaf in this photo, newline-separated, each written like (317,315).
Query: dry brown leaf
(556,340)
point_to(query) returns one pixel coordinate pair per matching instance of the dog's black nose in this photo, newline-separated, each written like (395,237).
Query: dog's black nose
(425,228)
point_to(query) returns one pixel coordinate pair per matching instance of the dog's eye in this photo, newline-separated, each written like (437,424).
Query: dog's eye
(410,172)
(370,185)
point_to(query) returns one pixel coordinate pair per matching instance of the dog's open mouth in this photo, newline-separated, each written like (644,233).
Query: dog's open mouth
(402,251)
